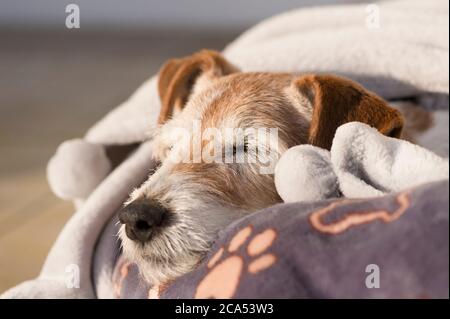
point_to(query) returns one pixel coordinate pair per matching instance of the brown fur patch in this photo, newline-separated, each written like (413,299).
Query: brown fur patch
(337,101)
(177,77)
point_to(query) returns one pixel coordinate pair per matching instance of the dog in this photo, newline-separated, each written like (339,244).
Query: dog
(170,222)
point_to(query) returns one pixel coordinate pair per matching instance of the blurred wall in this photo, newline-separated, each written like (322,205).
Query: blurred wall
(170,14)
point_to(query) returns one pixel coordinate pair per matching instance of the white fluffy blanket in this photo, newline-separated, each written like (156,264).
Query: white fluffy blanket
(362,163)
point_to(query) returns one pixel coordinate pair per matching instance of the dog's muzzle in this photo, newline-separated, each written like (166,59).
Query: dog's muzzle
(142,218)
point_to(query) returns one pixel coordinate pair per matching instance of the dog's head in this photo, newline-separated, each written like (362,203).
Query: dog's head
(220,134)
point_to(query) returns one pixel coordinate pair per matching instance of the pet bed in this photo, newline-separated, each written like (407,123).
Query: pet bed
(394,219)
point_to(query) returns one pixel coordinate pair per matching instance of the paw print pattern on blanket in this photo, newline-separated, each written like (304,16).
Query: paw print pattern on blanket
(356,218)
(225,272)
(124,267)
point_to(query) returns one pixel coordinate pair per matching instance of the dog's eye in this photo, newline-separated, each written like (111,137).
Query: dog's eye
(244,148)
(157,166)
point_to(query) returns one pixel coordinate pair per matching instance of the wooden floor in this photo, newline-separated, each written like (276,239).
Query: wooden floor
(53,86)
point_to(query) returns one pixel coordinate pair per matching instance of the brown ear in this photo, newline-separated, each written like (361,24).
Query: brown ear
(178,76)
(336,101)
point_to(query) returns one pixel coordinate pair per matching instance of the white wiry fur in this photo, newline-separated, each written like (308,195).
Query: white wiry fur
(197,217)
(204,196)
(178,248)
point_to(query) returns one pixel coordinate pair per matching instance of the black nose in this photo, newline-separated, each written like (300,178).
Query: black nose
(141,217)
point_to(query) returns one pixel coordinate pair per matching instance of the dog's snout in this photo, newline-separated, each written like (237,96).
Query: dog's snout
(141,218)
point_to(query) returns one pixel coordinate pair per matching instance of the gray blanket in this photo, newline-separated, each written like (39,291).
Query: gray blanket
(401,59)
